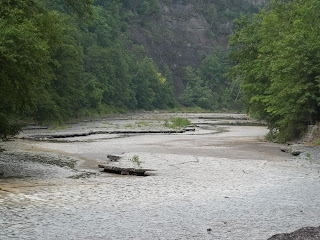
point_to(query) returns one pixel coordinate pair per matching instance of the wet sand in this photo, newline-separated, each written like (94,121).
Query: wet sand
(217,182)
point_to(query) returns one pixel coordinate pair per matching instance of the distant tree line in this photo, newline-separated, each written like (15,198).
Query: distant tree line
(208,87)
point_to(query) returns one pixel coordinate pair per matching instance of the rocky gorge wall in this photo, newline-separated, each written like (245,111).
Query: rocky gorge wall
(186,31)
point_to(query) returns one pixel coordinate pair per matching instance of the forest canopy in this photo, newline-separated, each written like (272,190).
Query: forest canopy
(70,58)
(277,64)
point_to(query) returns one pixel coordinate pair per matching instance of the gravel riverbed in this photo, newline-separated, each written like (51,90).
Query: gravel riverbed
(216,182)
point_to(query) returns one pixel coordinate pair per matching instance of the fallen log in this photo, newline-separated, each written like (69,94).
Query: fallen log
(125,171)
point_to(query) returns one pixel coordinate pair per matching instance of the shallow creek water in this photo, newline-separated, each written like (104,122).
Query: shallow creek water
(217,182)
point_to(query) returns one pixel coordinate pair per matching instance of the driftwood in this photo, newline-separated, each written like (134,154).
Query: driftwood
(125,171)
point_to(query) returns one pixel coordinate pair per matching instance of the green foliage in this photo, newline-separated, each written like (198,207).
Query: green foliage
(177,123)
(143,11)
(136,160)
(197,93)
(277,56)
(82,8)
(23,54)
(207,87)
(189,110)
(8,127)
(24,58)
(55,66)
(316,142)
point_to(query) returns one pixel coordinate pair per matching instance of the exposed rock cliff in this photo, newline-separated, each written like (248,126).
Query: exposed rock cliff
(185,31)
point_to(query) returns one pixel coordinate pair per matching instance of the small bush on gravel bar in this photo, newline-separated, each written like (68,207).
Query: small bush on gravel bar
(177,123)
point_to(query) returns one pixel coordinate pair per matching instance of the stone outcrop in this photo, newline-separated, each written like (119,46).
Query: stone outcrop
(307,233)
(312,134)
(178,39)
(181,36)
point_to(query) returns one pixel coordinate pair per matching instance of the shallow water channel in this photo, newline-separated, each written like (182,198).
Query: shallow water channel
(219,180)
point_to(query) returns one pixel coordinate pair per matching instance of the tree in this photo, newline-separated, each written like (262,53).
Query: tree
(54,66)
(29,34)
(24,57)
(207,87)
(197,93)
(277,55)
(212,70)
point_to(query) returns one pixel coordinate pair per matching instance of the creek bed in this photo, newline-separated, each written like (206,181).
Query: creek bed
(222,178)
